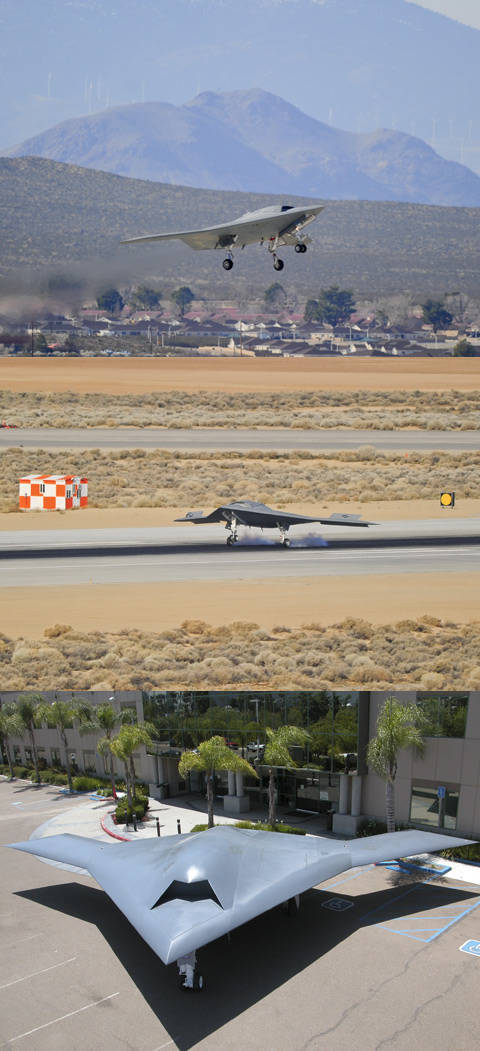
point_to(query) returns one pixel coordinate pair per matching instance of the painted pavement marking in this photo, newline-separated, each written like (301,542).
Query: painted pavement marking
(471,947)
(62,1018)
(34,973)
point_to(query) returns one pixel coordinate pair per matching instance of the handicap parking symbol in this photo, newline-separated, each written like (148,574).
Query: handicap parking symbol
(337,904)
(471,947)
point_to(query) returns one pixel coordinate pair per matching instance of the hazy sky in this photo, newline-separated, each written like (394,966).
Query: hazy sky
(463,10)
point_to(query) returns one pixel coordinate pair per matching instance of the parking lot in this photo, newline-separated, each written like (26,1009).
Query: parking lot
(372,960)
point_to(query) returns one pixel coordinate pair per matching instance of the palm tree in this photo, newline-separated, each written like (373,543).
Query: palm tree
(105,717)
(398,726)
(213,755)
(124,745)
(61,715)
(27,708)
(277,754)
(10,726)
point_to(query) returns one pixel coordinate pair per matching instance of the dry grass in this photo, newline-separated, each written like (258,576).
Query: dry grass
(426,653)
(136,478)
(362,409)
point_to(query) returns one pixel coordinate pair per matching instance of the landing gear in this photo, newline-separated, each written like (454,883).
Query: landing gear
(283,533)
(300,247)
(278,264)
(286,542)
(187,975)
(227,263)
(232,531)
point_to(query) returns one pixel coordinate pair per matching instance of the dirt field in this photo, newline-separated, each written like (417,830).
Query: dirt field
(143,375)
(150,517)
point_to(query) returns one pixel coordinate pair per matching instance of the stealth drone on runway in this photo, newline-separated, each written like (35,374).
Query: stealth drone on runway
(259,516)
(277,226)
(182,892)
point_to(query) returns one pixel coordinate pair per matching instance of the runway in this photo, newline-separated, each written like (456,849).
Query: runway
(162,555)
(209,439)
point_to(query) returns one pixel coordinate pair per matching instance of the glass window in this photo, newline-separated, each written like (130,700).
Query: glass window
(435,806)
(446,714)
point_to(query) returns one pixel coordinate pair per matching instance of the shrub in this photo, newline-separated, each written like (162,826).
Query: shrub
(140,807)
(82,783)
(468,853)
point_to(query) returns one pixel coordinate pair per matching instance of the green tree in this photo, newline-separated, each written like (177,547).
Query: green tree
(277,754)
(398,726)
(311,310)
(27,708)
(10,726)
(128,739)
(182,297)
(104,717)
(213,755)
(61,715)
(464,349)
(275,296)
(335,305)
(110,300)
(436,314)
(144,298)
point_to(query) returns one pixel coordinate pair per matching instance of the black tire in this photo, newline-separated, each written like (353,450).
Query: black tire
(299,248)
(286,542)
(227,264)
(198,983)
(303,249)
(278,264)
(230,540)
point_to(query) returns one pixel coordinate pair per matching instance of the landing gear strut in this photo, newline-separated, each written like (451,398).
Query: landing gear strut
(188,977)
(283,533)
(232,531)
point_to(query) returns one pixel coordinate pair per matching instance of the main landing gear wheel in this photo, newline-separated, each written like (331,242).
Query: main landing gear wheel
(300,248)
(286,542)
(227,264)
(278,264)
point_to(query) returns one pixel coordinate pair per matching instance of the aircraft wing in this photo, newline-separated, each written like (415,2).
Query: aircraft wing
(250,513)
(249,229)
(182,892)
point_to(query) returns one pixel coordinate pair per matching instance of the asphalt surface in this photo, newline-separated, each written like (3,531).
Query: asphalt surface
(211,439)
(195,553)
(372,960)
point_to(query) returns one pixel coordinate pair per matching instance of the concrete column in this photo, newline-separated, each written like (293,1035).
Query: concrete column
(161,770)
(231,783)
(344,789)
(356,795)
(239,784)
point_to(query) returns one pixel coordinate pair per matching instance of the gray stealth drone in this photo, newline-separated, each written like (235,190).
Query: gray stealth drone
(182,892)
(258,516)
(277,225)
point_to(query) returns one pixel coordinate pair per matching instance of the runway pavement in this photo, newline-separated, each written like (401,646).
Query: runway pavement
(192,553)
(211,439)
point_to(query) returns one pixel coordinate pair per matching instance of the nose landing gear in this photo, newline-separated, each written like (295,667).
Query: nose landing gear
(227,263)
(278,264)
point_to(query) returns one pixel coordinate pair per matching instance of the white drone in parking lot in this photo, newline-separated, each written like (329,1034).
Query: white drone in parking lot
(276,226)
(182,892)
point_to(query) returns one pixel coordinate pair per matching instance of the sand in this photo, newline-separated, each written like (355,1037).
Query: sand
(155,607)
(149,517)
(144,375)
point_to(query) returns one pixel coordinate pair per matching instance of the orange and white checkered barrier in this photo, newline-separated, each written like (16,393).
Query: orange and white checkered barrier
(52,492)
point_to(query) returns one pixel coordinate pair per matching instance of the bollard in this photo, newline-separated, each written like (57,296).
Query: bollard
(179,827)
(134,821)
(158,826)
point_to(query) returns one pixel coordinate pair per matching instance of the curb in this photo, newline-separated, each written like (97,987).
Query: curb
(109,832)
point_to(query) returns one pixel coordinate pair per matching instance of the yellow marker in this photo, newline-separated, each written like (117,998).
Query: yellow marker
(447,499)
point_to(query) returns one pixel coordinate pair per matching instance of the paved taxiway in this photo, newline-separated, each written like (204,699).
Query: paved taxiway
(192,553)
(239,440)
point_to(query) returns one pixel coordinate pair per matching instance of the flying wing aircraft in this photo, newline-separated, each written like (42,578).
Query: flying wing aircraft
(184,891)
(255,515)
(277,226)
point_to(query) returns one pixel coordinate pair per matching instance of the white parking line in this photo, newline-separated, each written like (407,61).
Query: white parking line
(34,973)
(62,1018)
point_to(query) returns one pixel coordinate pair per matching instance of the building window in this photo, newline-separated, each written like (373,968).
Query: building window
(434,806)
(446,714)
(55,757)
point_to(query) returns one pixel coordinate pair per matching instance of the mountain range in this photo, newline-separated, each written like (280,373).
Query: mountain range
(255,141)
(62,224)
(354,64)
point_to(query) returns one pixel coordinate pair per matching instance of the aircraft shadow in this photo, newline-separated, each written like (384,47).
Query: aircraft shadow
(259,957)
